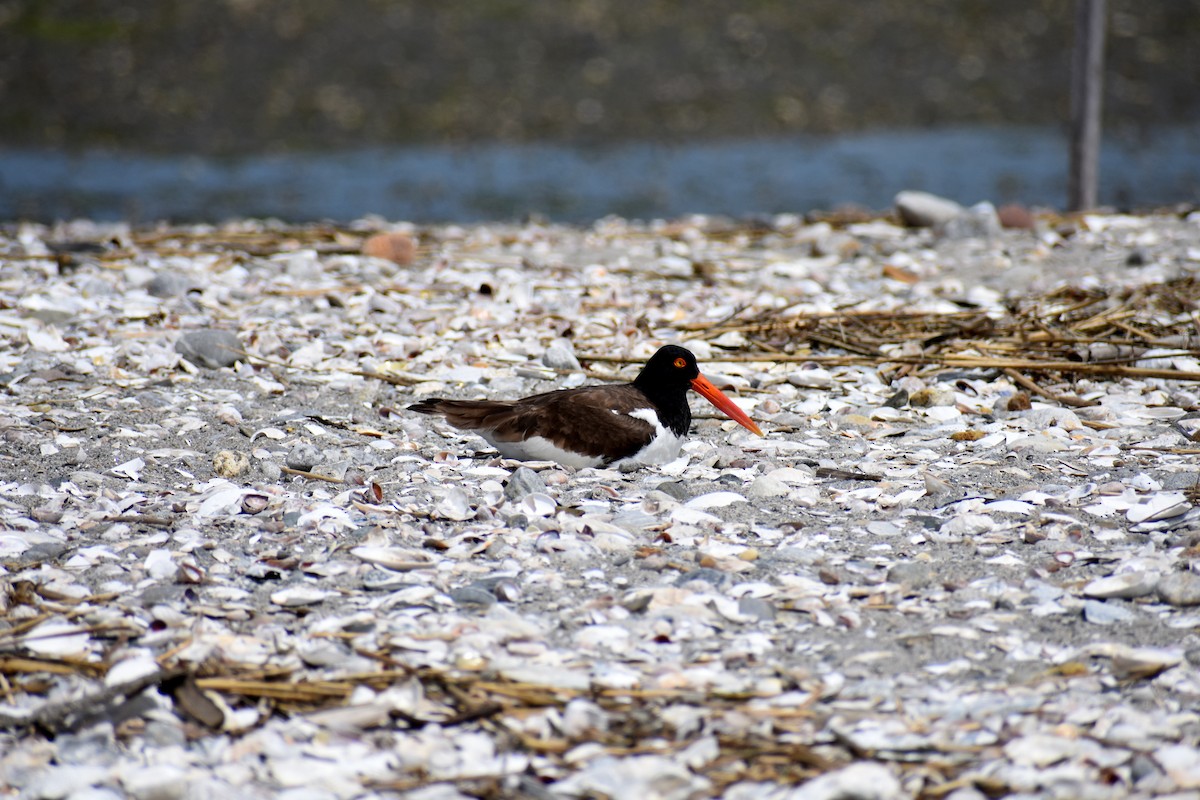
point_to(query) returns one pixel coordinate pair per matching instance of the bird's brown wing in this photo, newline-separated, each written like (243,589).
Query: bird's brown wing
(592,421)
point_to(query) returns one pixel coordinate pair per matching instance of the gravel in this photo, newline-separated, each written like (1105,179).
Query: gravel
(266,579)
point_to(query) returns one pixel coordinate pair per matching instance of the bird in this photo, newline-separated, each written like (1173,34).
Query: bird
(617,425)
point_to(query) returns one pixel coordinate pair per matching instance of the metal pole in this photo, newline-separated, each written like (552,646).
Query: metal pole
(1087,89)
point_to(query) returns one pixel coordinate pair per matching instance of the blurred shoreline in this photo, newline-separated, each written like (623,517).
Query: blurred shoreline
(739,177)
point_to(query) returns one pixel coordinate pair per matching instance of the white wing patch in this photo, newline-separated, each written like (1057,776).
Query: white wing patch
(663,447)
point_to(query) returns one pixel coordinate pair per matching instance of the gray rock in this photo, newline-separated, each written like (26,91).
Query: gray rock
(1180,589)
(914,574)
(559,357)
(713,577)
(676,489)
(472,596)
(925,210)
(766,486)
(169,284)
(303,456)
(756,607)
(523,482)
(210,348)
(1099,612)
(980,221)
(1179,480)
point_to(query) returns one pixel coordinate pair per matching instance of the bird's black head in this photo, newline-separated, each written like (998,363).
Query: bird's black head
(671,370)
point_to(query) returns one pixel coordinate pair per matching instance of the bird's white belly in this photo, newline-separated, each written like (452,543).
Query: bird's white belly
(536,448)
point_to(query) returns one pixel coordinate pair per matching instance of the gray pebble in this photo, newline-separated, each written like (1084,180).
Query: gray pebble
(559,357)
(303,456)
(756,607)
(43,552)
(472,596)
(159,593)
(1180,589)
(501,587)
(766,486)
(383,579)
(523,482)
(713,577)
(168,284)
(980,221)
(1099,612)
(210,348)
(675,489)
(914,574)
(925,210)
(1179,480)
(95,743)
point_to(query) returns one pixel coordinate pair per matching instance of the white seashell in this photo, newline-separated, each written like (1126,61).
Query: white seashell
(538,504)
(300,596)
(880,527)
(1124,585)
(1010,507)
(791,476)
(225,501)
(56,637)
(943,413)
(691,516)
(159,564)
(715,500)
(400,559)
(1158,412)
(130,469)
(128,669)
(1163,505)
(454,505)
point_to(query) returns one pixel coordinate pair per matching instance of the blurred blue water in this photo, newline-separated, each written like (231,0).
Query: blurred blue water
(504,181)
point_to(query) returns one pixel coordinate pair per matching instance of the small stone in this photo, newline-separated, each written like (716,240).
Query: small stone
(756,607)
(399,248)
(559,357)
(229,464)
(304,457)
(898,400)
(1012,215)
(713,577)
(765,486)
(210,348)
(1019,402)
(472,596)
(675,489)
(925,210)
(913,574)
(1180,589)
(168,284)
(1099,612)
(927,398)
(977,222)
(522,483)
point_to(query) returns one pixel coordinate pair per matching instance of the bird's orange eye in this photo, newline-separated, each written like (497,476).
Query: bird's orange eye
(681,362)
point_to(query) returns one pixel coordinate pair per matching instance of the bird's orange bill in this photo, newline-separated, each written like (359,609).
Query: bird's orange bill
(715,396)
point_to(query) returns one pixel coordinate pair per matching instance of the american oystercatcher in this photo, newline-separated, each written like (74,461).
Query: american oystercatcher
(643,422)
